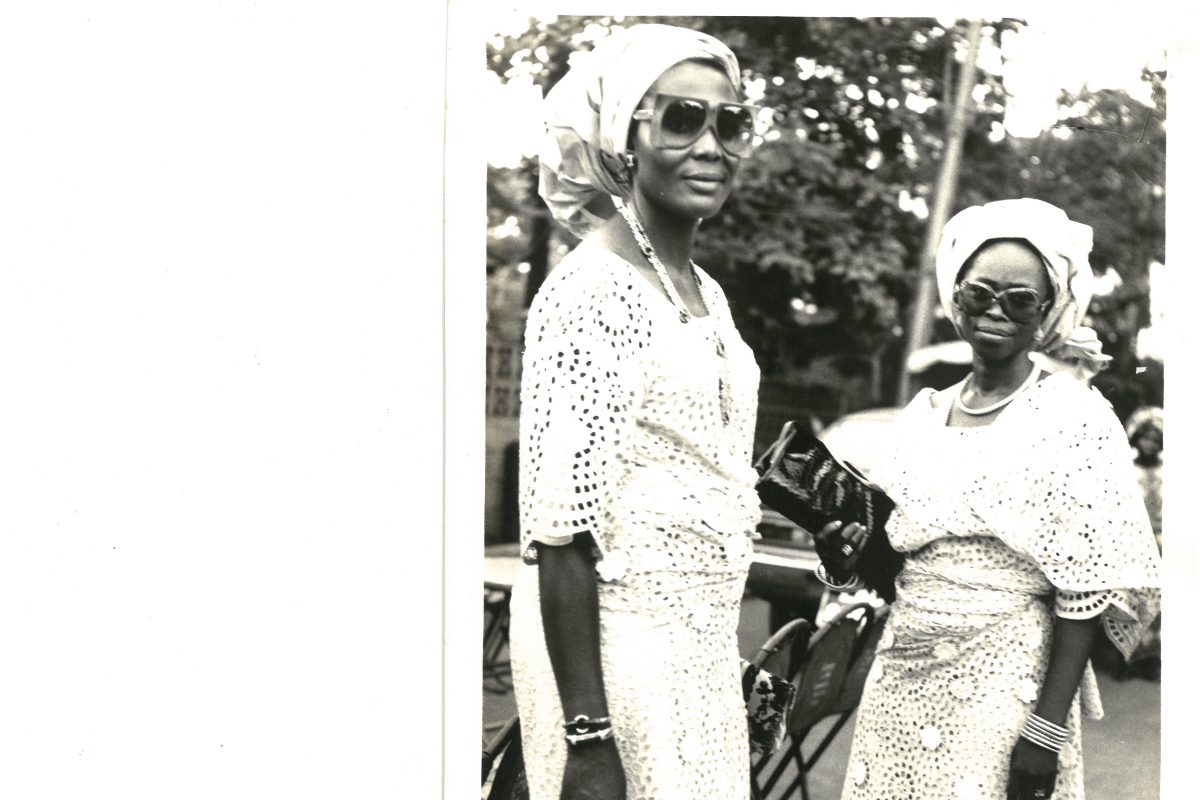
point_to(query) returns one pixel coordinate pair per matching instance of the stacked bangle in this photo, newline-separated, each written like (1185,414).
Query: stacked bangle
(583,729)
(1044,734)
(849,585)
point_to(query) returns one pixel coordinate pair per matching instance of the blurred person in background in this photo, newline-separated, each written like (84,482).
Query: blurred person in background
(1145,430)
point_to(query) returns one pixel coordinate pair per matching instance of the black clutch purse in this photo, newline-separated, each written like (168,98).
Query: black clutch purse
(803,481)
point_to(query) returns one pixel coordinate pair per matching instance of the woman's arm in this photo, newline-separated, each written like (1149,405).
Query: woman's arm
(580,388)
(1069,652)
(1032,767)
(571,622)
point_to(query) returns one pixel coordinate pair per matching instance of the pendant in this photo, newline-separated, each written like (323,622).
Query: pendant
(720,348)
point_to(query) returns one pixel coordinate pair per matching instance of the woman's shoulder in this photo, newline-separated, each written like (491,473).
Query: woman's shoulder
(589,273)
(1064,406)
(930,402)
(710,283)
(589,285)
(1062,391)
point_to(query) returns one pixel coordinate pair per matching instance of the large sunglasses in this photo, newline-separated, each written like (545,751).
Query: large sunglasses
(677,122)
(1019,304)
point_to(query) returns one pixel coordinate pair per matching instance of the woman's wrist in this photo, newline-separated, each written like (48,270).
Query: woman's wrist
(848,583)
(584,730)
(1045,734)
(1051,715)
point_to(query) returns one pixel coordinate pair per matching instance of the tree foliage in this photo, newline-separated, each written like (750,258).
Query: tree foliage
(817,249)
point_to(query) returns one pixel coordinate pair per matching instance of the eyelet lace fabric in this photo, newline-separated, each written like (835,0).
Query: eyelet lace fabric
(622,437)
(1005,526)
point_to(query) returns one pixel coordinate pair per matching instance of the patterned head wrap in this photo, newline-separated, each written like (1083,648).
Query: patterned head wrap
(588,113)
(1066,344)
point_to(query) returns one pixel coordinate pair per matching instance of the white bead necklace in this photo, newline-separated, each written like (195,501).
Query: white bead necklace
(685,315)
(979,412)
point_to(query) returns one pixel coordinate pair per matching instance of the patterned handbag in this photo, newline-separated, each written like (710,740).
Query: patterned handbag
(769,701)
(803,481)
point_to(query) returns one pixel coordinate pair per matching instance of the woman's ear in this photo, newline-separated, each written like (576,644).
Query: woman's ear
(619,166)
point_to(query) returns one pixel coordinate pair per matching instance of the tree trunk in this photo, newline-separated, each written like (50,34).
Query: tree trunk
(921,314)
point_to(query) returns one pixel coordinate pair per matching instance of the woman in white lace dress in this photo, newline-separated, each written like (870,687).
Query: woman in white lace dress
(1024,533)
(638,403)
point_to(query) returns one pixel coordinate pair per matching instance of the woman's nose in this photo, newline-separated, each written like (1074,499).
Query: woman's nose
(994,309)
(707,144)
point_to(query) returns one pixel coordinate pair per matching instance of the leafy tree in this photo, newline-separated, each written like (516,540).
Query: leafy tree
(817,248)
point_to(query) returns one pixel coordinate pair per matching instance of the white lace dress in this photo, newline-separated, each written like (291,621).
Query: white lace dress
(622,435)
(1004,526)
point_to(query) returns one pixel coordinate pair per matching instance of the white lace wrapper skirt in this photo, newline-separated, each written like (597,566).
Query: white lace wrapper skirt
(958,671)
(668,643)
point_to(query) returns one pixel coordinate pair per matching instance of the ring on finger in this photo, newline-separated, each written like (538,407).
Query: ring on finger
(847,549)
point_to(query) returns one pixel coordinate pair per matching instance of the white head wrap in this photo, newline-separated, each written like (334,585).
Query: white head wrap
(588,113)
(1066,344)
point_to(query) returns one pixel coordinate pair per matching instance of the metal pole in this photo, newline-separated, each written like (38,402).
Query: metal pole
(920,321)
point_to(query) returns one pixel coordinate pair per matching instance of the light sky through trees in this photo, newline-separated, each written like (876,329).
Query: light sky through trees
(1049,55)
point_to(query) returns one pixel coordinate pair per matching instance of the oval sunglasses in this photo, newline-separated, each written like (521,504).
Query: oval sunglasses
(1019,304)
(677,122)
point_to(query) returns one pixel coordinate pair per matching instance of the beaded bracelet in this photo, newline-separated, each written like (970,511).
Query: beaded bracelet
(850,584)
(1044,734)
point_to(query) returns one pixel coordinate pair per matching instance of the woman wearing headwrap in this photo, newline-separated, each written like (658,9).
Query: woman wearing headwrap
(1023,532)
(638,403)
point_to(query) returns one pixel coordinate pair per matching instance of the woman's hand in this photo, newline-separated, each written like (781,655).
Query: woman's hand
(594,772)
(839,547)
(1032,771)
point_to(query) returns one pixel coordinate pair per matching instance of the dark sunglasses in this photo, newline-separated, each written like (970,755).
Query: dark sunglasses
(1019,304)
(676,122)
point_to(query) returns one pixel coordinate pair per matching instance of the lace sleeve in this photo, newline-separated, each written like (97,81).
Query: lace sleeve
(1084,605)
(580,386)
(1095,544)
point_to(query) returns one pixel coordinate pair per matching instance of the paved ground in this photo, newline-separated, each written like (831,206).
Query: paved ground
(1121,752)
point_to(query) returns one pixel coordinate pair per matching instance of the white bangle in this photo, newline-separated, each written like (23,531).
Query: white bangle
(1044,734)
(851,584)
(582,738)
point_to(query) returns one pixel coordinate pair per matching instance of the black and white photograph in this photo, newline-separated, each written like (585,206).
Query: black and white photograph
(790,382)
(824,440)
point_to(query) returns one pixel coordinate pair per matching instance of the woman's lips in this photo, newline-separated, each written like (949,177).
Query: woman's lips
(705,183)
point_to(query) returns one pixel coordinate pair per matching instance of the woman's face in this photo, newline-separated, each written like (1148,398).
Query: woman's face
(1149,442)
(690,182)
(1003,265)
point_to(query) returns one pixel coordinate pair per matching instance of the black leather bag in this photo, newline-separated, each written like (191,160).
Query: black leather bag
(803,481)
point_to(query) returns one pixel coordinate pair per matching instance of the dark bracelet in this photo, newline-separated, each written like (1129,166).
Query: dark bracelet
(584,730)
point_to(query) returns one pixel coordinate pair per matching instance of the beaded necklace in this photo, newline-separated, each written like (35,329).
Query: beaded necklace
(979,412)
(685,316)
